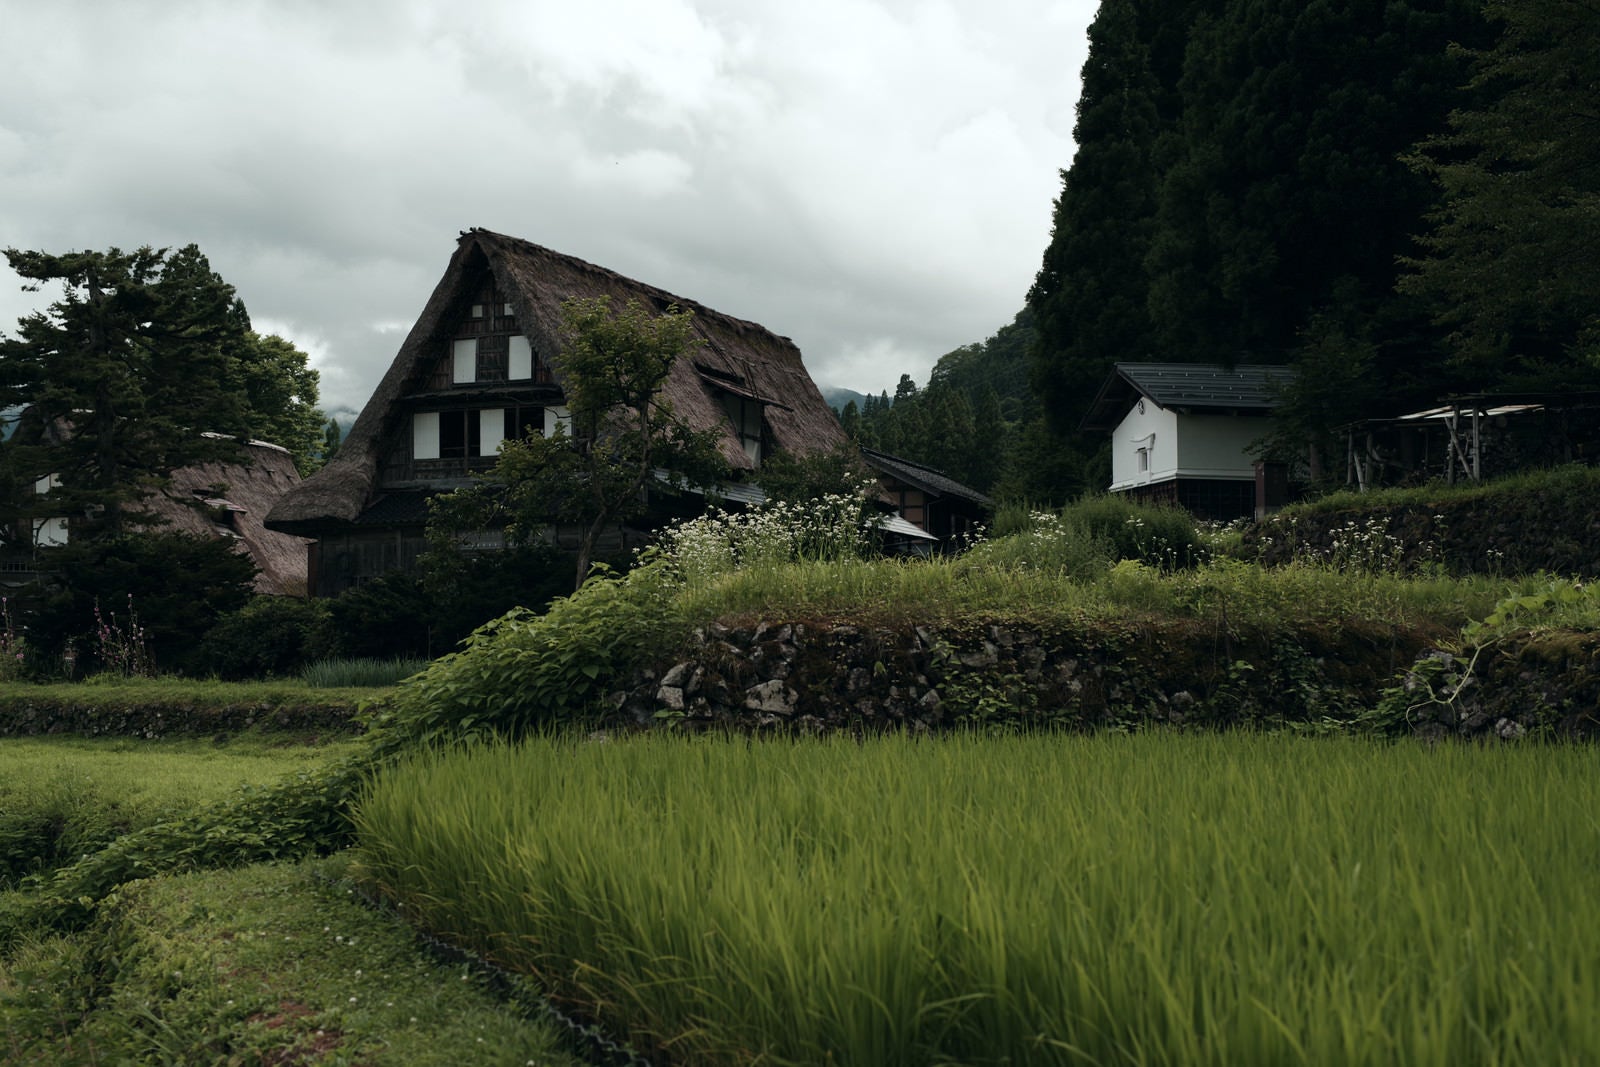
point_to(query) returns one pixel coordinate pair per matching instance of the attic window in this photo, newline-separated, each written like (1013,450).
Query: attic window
(1142,460)
(521,358)
(748,424)
(465,353)
(477,311)
(717,375)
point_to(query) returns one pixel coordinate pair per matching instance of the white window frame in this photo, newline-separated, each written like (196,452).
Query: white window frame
(425,435)
(465,353)
(519,364)
(491,430)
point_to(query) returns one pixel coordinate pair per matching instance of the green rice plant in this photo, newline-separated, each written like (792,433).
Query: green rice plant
(1114,900)
(360,673)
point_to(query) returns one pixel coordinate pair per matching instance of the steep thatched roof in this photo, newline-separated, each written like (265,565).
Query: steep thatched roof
(737,357)
(232,500)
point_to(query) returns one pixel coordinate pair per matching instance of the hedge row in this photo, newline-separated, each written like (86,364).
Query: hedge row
(152,717)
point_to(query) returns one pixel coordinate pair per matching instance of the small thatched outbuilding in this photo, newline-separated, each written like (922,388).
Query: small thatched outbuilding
(477,369)
(231,500)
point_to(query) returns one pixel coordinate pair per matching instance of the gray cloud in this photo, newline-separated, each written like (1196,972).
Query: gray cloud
(872,178)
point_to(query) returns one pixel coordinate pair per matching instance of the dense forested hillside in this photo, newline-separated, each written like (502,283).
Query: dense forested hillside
(1329,184)
(1400,197)
(978,420)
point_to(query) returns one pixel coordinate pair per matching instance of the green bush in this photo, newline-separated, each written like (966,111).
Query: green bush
(1040,541)
(272,636)
(180,586)
(1161,537)
(467,589)
(384,618)
(524,672)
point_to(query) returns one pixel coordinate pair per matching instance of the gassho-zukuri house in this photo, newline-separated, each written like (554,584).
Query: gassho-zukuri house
(1181,434)
(476,369)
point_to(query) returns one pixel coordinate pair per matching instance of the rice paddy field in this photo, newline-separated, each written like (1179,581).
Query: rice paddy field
(1149,899)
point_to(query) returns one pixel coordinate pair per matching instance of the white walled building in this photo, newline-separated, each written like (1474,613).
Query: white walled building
(1181,433)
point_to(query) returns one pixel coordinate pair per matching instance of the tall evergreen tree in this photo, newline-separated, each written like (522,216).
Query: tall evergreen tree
(850,421)
(1238,195)
(1510,266)
(1283,195)
(121,375)
(1089,299)
(991,441)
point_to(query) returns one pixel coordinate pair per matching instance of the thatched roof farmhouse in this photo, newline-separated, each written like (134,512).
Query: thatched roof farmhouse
(476,369)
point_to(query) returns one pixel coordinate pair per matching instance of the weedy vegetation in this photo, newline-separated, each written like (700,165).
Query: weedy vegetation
(360,673)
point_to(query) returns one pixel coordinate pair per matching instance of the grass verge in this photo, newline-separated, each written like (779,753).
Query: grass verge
(262,965)
(63,797)
(168,707)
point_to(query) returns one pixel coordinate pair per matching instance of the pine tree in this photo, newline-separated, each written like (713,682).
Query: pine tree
(1283,196)
(122,375)
(1089,301)
(1510,265)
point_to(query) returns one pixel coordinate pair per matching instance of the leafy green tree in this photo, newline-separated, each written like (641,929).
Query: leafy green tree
(279,389)
(611,368)
(797,479)
(905,390)
(1509,265)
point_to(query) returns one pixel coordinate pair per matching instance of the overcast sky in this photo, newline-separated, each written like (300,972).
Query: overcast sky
(872,178)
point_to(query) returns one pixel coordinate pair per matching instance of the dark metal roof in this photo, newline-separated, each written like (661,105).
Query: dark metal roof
(925,478)
(1188,387)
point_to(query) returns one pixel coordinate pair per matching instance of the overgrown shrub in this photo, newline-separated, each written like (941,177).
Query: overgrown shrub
(381,619)
(1161,537)
(272,636)
(1041,541)
(180,586)
(467,589)
(524,672)
(834,526)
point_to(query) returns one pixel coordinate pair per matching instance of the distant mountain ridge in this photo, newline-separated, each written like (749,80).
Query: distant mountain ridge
(836,397)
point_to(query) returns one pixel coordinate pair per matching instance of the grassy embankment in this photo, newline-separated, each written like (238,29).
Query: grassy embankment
(269,963)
